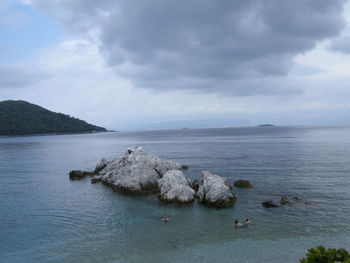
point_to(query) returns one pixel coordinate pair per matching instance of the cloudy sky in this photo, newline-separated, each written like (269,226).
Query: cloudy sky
(131,64)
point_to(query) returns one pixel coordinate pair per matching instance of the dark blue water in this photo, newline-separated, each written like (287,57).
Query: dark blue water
(45,217)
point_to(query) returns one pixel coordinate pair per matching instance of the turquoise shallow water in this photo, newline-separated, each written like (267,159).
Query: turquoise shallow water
(45,217)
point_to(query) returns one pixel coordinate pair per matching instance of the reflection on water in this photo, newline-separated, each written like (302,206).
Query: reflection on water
(45,217)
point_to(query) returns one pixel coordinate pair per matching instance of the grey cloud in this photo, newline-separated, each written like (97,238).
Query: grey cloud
(11,77)
(236,47)
(302,70)
(341,44)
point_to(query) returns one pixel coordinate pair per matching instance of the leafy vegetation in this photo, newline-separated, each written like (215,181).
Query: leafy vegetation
(320,254)
(24,118)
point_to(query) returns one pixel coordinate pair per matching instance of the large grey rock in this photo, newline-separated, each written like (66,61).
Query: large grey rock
(174,187)
(215,191)
(136,171)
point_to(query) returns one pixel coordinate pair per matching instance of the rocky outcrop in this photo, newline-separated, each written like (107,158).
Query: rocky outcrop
(136,171)
(139,172)
(243,184)
(291,201)
(284,200)
(77,174)
(101,165)
(215,191)
(174,187)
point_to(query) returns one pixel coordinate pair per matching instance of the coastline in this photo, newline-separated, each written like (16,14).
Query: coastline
(53,134)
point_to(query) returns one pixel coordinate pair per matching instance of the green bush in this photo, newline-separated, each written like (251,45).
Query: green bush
(320,254)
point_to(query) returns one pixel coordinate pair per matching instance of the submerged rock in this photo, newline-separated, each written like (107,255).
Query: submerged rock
(77,174)
(136,171)
(96,180)
(243,184)
(284,200)
(269,204)
(292,201)
(298,200)
(174,187)
(215,191)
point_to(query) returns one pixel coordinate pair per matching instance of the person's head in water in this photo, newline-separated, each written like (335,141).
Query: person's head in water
(165,219)
(238,224)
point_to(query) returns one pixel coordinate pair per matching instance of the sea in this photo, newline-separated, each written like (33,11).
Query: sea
(46,217)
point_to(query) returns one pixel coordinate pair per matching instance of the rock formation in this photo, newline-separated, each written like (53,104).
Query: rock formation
(136,171)
(174,187)
(77,174)
(142,173)
(215,191)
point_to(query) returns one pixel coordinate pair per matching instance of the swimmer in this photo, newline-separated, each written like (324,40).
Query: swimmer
(247,222)
(237,224)
(165,219)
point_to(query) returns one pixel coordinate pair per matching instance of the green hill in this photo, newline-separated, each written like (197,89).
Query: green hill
(23,118)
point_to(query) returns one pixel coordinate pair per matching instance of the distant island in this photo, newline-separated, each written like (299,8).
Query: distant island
(19,117)
(266,125)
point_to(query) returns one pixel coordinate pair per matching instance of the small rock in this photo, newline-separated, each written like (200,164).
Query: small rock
(243,184)
(77,174)
(95,180)
(269,204)
(184,167)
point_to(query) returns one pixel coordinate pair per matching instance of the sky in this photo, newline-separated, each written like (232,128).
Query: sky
(135,64)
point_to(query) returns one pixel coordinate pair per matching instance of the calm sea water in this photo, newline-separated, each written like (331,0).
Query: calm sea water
(45,217)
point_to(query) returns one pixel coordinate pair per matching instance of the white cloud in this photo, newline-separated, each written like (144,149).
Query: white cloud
(240,48)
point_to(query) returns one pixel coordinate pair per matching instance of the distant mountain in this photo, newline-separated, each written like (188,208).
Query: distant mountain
(23,118)
(266,125)
(200,123)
